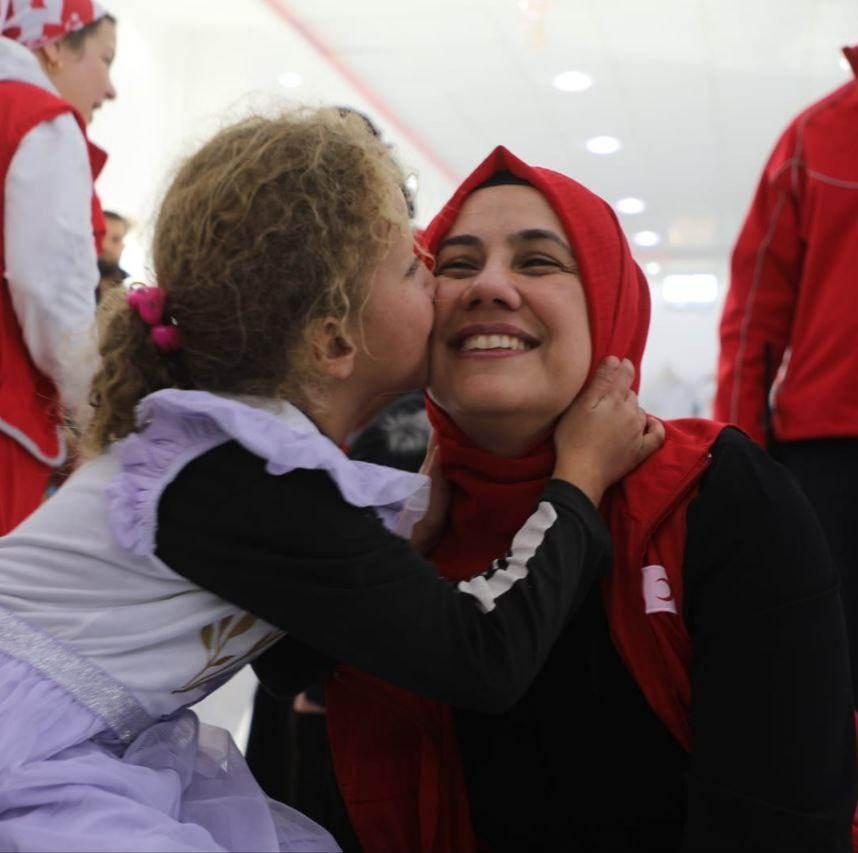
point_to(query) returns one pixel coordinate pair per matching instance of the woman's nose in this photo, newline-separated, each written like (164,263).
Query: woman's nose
(491,286)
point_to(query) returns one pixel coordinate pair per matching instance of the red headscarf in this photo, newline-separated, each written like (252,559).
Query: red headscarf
(35,23)
(618,306)
(406,744)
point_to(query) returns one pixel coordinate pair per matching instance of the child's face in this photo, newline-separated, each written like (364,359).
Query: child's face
(397,321)
(83,76)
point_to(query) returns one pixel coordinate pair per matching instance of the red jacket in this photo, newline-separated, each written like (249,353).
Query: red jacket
(28,399)
(790,322)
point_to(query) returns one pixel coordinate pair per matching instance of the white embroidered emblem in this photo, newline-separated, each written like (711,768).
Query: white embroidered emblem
(657,594)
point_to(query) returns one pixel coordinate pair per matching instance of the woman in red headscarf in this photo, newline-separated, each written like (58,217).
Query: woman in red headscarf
(700,700)
(55,58)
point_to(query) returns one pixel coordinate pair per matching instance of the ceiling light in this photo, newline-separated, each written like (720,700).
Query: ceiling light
(573,81)
(603,145)
(646,238)
(533,9)
(652,268)
(290,79)
(631,205)
(696,289)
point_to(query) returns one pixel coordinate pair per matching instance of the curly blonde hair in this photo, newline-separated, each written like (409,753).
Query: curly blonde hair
(273,223)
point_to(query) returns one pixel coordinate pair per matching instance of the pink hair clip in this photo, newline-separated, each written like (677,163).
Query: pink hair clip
(148,301)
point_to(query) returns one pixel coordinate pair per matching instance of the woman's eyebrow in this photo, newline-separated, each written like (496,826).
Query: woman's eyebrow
(459,240)
(538,234)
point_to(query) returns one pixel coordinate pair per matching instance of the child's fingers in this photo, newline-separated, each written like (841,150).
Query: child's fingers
(602,383)
(643,419)
(605,373)
(653,436)
(623,378)
(432,458)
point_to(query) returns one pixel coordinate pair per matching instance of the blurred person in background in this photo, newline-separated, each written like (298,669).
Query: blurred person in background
(789,360)
(110,272)
(55,60)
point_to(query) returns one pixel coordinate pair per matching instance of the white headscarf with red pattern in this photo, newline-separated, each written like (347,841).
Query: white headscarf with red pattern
(34,23)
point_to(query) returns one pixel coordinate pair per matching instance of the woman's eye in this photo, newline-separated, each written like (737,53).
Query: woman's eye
(452,267)
(538,261)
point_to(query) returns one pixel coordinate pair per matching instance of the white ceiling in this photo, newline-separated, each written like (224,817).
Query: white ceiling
(696,90)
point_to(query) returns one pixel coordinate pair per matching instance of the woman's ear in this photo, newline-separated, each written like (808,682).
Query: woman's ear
(50,57)
(332,349)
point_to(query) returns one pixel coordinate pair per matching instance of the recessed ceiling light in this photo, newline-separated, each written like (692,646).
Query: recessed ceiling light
(572,81)
(697,289)
(603,145)
(631,205)
(290,79)
(646,238)
(653,267)
(844,64)
(533,9)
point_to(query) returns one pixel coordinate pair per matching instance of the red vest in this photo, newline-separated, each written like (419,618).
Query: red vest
(29,404)
(395,753)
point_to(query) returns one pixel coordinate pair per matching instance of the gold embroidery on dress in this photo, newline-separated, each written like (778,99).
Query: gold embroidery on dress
(216,637)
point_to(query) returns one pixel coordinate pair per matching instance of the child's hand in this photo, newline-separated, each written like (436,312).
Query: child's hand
(428,530)
(604,434)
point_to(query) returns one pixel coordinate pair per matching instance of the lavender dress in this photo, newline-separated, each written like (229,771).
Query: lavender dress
(103,648)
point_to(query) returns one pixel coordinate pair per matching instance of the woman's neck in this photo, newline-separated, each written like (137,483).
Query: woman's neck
(504,435)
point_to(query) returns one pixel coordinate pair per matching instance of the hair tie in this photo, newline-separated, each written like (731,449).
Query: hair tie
(148,301)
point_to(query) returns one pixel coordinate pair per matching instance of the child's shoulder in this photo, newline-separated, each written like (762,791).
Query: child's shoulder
(223,448)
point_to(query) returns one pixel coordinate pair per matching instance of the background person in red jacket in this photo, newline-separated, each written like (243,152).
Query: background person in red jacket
(55,62)
(788,369)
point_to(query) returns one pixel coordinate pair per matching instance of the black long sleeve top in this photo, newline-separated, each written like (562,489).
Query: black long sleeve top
(292,551)
(583,763)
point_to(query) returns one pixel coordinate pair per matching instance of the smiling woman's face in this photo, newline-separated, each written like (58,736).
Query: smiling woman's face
(511,331)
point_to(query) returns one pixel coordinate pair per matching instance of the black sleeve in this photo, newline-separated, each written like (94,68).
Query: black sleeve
(292,551)
(773,766)
(290,667)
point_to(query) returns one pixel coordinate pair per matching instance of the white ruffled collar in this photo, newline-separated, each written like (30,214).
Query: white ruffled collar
(178,426)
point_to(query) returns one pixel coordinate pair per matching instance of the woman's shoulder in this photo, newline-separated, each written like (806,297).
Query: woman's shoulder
(742,475)
(733,449)
(744,487)
(752,524)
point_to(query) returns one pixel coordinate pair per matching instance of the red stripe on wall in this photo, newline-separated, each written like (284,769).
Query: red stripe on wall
(378,104)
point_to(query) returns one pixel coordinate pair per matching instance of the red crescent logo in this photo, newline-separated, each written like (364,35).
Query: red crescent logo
(669,596)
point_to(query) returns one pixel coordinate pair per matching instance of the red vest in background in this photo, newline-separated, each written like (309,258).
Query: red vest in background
(29,404)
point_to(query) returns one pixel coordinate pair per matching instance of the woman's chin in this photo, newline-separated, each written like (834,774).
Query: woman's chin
(497,405)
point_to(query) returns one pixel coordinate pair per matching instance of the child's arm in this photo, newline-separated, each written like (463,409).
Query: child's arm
(290,550)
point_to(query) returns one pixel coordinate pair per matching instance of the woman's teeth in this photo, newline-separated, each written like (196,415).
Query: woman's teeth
(479,342)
